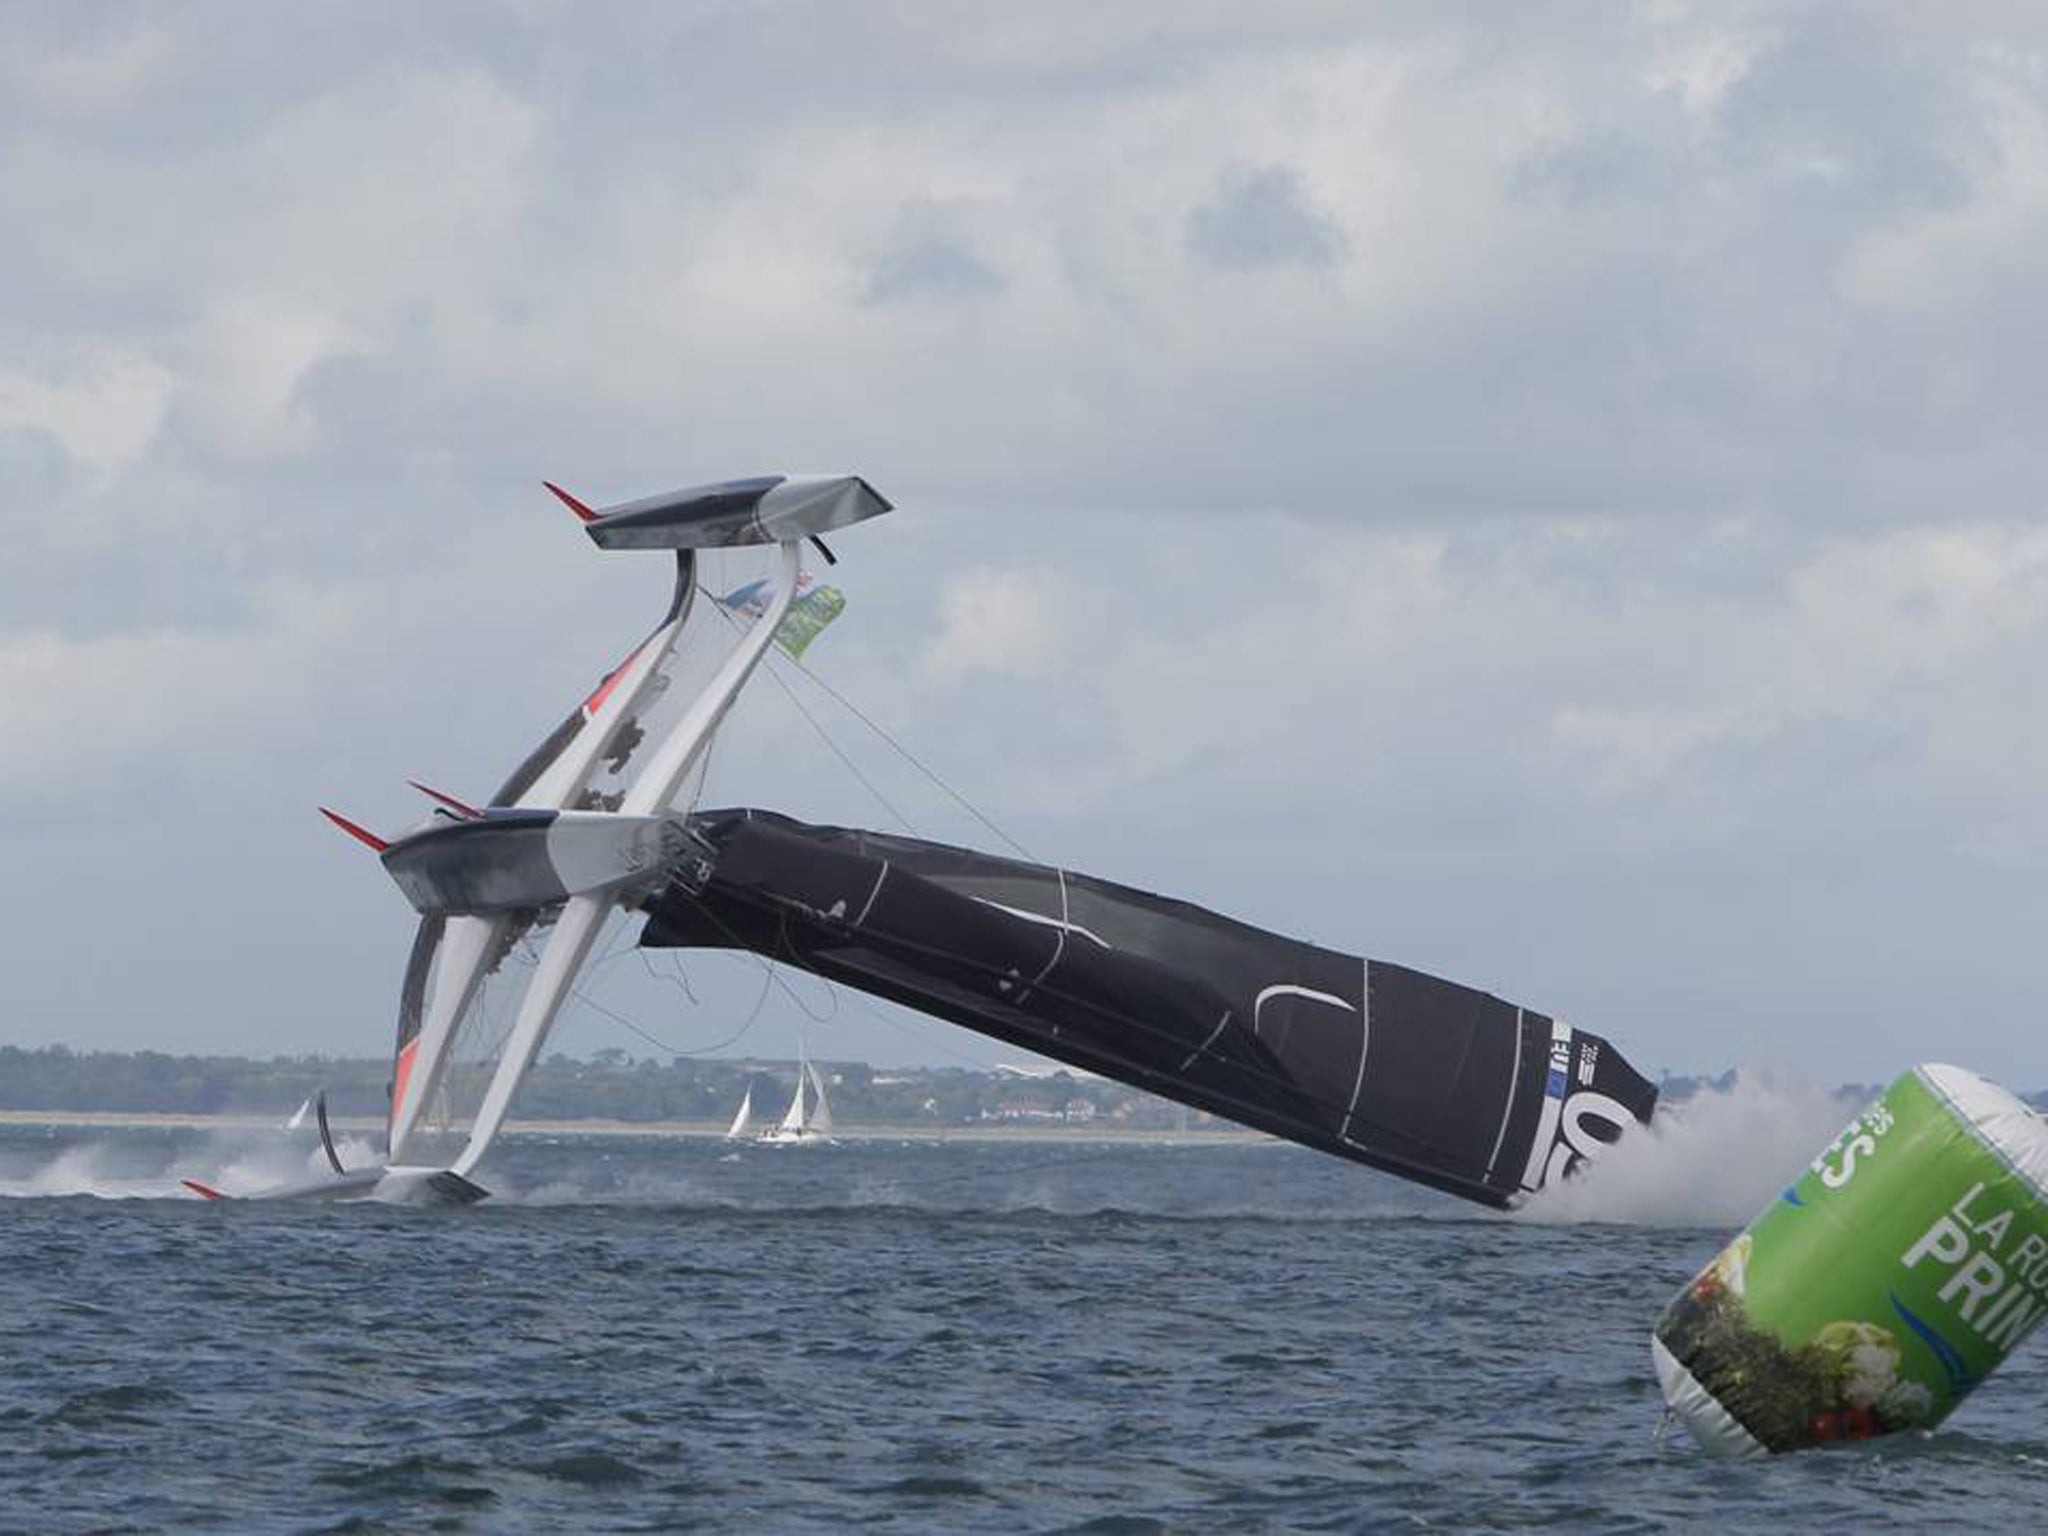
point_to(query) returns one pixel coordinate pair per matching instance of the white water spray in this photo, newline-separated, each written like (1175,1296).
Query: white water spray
(235,1159)
(1713,1160)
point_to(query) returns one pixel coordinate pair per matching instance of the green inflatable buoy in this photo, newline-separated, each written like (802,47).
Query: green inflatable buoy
(1881,1287)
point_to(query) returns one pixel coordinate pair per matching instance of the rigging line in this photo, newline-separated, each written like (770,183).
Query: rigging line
(680,980)
(923,1037)
(740,947)
(611,959)
(661,1045)
(823,734)
(840,752)
(911,758)
(613,932)
(772,665)
(772,976)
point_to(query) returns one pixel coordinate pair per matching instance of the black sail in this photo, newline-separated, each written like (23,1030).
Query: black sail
(1436,1082)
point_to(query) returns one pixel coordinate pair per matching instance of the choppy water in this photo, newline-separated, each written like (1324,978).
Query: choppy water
(647,1335)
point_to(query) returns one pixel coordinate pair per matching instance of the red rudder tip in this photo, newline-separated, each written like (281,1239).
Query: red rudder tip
(367,838)
(571,502)
(460,807)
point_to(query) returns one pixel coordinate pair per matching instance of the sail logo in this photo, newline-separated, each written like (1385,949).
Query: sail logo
(1572,1127)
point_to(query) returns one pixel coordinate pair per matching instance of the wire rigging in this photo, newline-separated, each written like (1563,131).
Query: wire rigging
(840,752)
(772,974)
(824,735)
(767,985)
(916,762)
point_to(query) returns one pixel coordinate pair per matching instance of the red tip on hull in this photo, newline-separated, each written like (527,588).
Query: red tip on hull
(461,808)
(366,838)
(571,502)
(203,1191)
(401,1075)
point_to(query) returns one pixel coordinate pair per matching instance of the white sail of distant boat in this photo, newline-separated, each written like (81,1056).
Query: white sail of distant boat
(793,1118)
(744,1120)
(821,1117)
(802,1122)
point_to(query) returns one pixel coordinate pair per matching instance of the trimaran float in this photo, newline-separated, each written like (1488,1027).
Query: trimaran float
(1368,1060)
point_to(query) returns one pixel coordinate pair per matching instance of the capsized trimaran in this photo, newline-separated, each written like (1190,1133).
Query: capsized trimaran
(1427,1079)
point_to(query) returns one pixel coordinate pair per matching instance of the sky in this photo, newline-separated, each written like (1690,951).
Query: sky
(1549,494)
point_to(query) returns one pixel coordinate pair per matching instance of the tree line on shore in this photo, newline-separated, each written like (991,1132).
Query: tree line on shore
(611,1085)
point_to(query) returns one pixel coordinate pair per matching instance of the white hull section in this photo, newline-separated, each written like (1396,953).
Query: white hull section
(467,945)
(471,943)
(781,1138)
(568,946)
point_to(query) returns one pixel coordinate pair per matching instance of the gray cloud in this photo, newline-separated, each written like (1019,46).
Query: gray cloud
(1263,218)
(1564,511)
(927,257)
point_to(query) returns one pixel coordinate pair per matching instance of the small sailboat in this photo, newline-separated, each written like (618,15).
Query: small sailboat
(809,1117)
(742,1122)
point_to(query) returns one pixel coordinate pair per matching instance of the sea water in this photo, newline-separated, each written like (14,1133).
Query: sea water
(647,1334)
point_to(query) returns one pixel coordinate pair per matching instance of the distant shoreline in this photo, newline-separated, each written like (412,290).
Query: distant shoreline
(673,1129)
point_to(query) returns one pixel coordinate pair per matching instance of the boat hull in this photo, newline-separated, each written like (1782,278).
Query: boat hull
(391,1186)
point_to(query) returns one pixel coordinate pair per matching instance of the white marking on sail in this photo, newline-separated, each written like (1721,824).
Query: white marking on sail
(869,905)
(1508,1110)
(1050,922)
(1553,1106)
(1197,1051)
(1287,989)
(1364,1045)
(1059,947)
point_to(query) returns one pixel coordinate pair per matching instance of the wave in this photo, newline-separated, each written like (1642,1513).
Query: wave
(117,1169)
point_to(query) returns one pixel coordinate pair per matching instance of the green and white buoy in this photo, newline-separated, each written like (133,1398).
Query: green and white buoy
(1872,1295)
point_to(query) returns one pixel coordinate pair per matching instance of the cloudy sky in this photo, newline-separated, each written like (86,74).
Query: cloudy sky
(1551,494)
